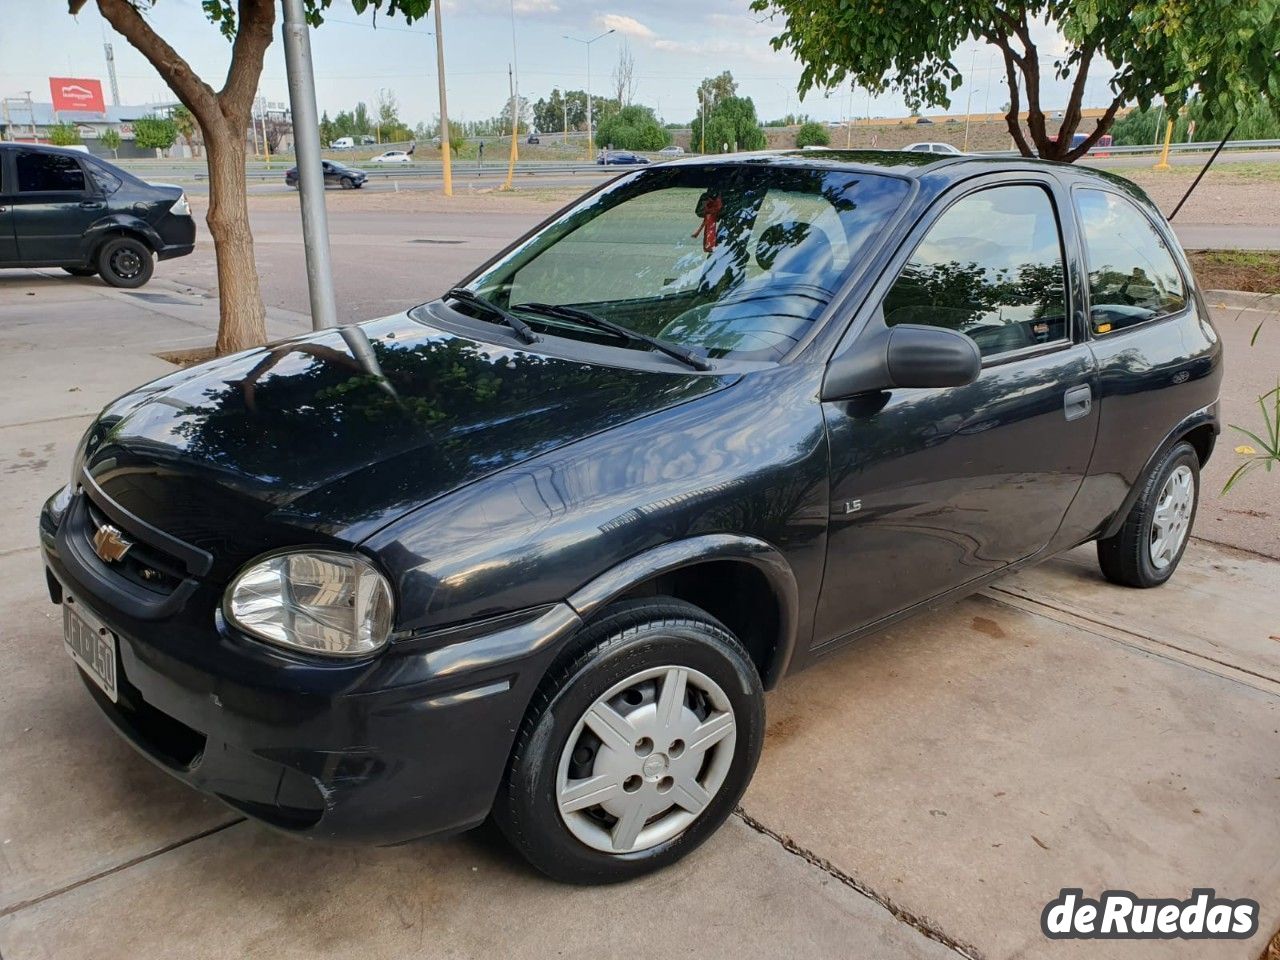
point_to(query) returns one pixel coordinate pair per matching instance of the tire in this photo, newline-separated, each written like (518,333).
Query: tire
(348,183)
(82,271)
(670,793)
(1147,548)
(125,262)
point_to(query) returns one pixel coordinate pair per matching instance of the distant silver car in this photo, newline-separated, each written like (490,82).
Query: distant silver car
(932,147)
(671,151)
(392,156)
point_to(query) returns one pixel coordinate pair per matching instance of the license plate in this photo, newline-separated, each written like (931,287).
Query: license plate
(90,644)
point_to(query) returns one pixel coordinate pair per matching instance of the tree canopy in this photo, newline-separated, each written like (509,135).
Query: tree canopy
(633,128)
(154,133)
(731,121)
(1225,49)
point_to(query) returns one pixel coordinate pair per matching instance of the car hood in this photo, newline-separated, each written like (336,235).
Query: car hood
(339,432)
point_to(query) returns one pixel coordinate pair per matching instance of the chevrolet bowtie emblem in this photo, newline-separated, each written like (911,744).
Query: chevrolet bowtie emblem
(109,544)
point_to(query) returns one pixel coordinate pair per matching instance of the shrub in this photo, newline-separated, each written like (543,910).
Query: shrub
(812,135)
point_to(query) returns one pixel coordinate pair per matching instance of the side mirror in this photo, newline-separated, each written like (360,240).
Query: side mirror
(906,355)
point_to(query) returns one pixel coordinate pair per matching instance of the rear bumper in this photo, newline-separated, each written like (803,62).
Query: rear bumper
(176,236)
(411,742)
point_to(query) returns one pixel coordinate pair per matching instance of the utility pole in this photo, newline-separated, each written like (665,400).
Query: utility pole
(968,103)
(306,138)
(111,74)
(514,85)
(588,43)
(515,123)
(444,106)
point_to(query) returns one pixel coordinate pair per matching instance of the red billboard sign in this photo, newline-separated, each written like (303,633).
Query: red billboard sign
(77,93)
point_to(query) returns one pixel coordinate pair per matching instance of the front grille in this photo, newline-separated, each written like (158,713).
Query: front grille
(144,565)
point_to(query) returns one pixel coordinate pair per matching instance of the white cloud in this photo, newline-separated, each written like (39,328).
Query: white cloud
(628,26)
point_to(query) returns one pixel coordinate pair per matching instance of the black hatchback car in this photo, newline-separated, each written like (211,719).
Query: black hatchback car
(535,549)
(64,208)
(335,175)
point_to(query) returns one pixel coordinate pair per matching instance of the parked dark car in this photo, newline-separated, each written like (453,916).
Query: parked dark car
(64,208)
(620,157)
(335,175)
(533,139)
(535,550)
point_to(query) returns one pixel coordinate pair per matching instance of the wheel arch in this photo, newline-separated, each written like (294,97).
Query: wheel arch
(1200,429)
(742,581)
(119,225)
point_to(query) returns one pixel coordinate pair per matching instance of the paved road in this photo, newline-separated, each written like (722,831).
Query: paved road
(1190,159)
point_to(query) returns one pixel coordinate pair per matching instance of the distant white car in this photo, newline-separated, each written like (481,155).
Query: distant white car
(392,156)
(931,147)
(671,151)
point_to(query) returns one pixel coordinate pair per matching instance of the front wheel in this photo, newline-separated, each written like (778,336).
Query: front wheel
(125,262)
(1149,545)
(637,750)
(348,183)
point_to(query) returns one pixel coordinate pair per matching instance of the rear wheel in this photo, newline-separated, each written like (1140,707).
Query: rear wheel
(81,271)
(1149,545)
(125,262)
(638,749)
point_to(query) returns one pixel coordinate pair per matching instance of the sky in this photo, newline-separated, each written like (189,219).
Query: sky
(675,43)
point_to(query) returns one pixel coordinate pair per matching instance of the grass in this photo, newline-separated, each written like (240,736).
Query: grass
(1254,271)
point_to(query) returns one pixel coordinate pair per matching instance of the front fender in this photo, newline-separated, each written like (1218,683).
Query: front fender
(616,581)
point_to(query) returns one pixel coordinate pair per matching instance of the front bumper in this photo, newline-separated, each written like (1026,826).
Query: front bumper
(410,742)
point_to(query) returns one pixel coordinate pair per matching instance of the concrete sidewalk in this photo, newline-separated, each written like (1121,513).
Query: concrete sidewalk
(923,794)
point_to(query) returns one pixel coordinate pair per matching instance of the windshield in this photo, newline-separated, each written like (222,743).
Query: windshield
(725,260)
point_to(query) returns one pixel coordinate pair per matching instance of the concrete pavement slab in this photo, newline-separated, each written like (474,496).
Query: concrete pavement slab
(35,459)
(1221,605)
(969,764)
(244,892)
(75,800)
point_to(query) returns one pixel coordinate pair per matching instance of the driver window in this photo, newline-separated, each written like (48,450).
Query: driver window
(991,267)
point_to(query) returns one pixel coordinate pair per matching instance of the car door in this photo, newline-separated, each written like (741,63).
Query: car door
(8,240)
(54,205)
(934,488)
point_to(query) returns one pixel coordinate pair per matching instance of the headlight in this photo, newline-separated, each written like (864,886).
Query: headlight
(334,604)
(181,207)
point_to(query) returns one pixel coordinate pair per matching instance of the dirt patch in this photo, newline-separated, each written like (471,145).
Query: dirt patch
(1229,193)
(189,358)
(1272,950)
(783,728)
(1254,271)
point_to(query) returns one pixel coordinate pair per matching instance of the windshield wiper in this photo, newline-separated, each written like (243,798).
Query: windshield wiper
(522,329)
(579,315)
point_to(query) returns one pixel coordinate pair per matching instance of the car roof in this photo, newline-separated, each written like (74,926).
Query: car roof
(902,163)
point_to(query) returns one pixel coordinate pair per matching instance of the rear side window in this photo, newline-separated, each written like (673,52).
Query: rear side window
(1132,275)
(106,181)
(990,267)
(49,172)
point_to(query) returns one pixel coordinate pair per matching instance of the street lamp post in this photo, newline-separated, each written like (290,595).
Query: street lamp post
(967,116)
(588,43)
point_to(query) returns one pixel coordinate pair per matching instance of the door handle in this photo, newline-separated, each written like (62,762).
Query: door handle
(90,204)
(1077,402)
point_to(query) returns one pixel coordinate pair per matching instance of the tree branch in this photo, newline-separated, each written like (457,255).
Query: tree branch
(195,94)
(1071,117)
(254,23)
(1011,62)
(1103,125)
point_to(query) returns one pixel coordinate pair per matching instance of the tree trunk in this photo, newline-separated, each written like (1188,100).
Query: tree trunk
(243,317)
